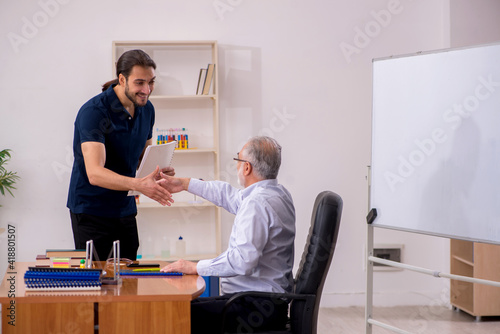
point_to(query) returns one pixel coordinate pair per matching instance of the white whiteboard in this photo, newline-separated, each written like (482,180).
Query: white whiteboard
(435,165)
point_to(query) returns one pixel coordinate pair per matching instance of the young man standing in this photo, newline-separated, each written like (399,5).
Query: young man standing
(111,132)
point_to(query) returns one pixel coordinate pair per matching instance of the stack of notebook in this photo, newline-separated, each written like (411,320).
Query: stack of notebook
(62,258)
(61,279)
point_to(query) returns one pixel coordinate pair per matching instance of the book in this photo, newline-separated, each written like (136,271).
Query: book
(201,81)
(60,262)
(73,253)
(155,155)
(44,261)
(208,79)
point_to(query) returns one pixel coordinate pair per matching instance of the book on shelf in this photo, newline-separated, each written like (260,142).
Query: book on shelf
(73,253)
(208,79)
(201,81)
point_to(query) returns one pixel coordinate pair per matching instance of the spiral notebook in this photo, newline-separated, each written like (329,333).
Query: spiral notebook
(155,155)
(62,279)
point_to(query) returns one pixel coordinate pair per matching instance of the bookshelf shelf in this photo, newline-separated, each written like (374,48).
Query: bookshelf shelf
(159,43)
(195,150)
(154,98)
(155,205)
(189,257)
(464,261)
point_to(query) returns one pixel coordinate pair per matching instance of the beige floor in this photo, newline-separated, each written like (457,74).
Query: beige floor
(413,319)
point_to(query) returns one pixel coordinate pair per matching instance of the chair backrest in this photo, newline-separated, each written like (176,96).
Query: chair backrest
(316,260)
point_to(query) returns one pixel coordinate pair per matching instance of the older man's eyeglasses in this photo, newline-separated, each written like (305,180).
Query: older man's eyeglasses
(238,159)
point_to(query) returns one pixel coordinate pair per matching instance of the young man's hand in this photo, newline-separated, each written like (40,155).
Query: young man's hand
(149,187)
(170,171)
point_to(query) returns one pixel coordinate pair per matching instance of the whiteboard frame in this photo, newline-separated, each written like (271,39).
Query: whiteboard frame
(415,230)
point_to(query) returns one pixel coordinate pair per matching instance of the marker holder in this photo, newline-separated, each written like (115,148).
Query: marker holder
(89,250)
(115,280)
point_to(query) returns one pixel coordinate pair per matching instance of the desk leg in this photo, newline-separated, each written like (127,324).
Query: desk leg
(145,317)
(51,318)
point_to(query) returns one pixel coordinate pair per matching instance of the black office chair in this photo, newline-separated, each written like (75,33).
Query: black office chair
(316,259)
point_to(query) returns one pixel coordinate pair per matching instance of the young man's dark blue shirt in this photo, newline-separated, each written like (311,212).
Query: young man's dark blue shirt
(103,119)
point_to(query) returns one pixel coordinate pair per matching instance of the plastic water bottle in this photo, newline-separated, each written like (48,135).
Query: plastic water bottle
(180,247)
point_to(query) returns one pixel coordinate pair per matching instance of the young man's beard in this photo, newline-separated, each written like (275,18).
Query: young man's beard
(133,99)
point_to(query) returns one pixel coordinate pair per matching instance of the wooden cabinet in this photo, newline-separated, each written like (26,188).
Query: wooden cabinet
(178,106)
(476,260)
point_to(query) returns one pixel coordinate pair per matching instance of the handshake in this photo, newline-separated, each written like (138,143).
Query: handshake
(160,185)
(172,184)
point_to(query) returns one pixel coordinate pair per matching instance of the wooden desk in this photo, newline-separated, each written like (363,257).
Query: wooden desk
(138,305)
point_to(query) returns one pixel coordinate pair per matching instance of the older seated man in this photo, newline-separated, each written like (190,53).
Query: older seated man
(260,252)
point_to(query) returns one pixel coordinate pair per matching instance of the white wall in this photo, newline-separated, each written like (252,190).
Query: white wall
(298,70)
(474,22)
